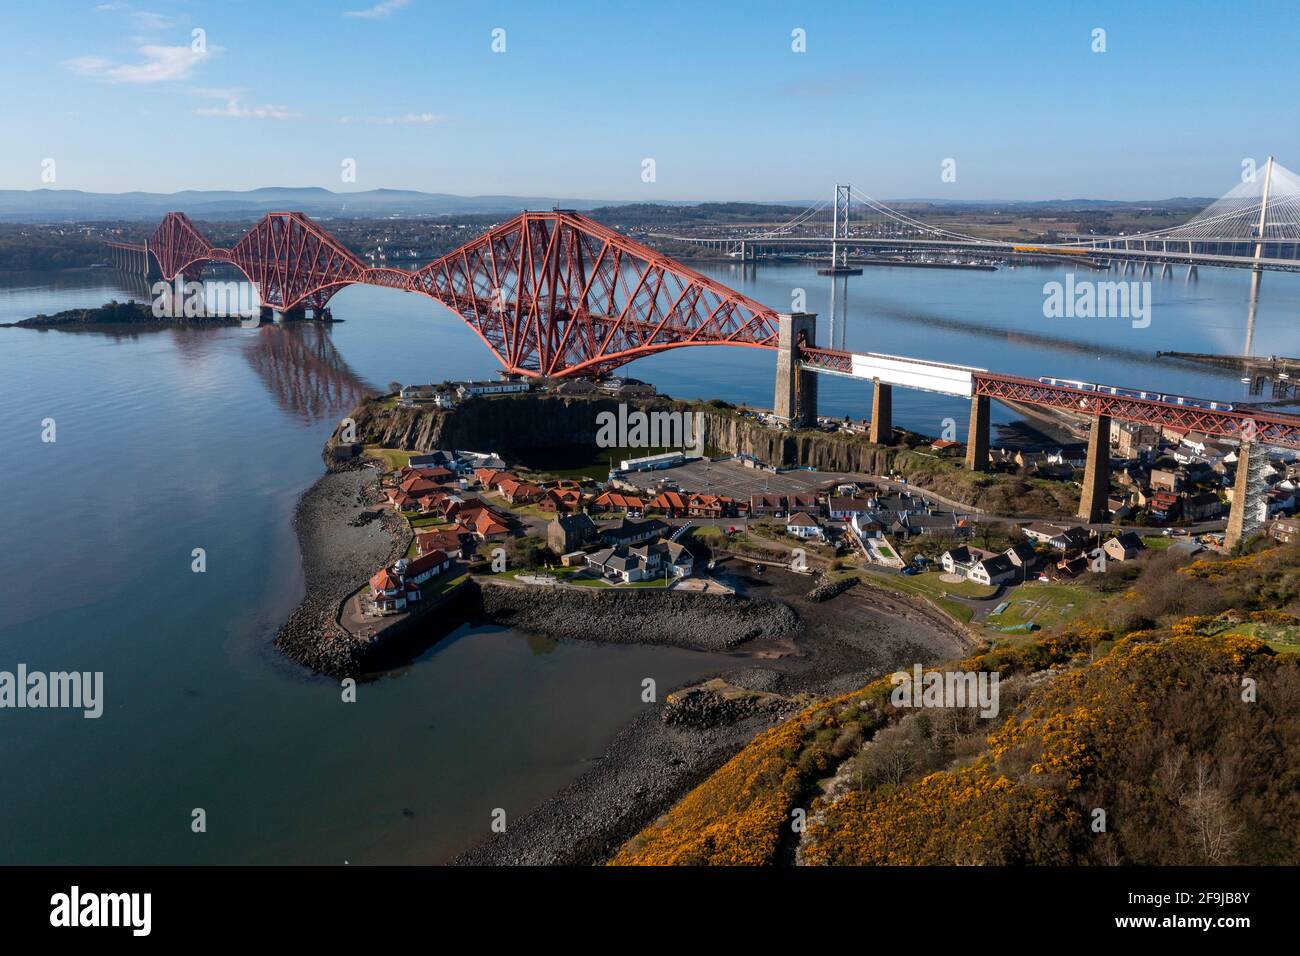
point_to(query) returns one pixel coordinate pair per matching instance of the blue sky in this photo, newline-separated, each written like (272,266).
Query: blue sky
(713,92)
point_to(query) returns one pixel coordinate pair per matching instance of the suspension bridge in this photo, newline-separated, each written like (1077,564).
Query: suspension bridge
(1255,225)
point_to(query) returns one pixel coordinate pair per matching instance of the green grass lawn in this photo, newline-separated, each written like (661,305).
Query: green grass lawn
(1158,542)
(436,588)
(917,588)
(393,458)
(1044,604)
(967,589)
(429,523)
(1284,640)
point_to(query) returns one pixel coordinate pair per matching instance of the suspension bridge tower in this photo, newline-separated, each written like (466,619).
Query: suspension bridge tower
(840,235)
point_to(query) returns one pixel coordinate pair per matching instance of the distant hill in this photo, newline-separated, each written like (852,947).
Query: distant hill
(43,205)
(55,205)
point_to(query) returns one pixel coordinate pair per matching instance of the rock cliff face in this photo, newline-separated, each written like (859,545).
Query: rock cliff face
(519,422)
(511,425)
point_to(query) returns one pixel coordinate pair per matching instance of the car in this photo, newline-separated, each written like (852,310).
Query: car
(911,569)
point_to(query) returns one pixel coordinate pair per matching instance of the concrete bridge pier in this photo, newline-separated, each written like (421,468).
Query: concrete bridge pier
(1248,490)
(297,312)
(795,402)
(1096,473)
(977,437)
(882,413)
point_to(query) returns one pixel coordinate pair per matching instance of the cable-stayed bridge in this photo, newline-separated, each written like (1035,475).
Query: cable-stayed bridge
(1255,225)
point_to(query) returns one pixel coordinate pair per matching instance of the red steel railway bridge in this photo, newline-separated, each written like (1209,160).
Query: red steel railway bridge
(555,294)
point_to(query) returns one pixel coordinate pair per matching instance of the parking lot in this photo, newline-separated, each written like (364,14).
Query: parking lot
(734,479)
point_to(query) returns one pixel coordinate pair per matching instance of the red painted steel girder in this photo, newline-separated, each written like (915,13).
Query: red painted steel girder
(293,261)
(554,293)
(177,243)
(550,293)
(827,360)
(1248,424)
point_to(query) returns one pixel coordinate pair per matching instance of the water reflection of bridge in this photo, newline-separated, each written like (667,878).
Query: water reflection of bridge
(303,371)
(297,362)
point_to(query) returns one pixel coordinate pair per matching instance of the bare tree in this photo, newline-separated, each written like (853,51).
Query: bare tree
(1210,814)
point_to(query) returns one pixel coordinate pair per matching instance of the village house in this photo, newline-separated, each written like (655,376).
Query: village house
(1286,530)
(519,492)
(568,533)
(1165,506)
(1124,547)
(417,486)
(956,560)
(393,588)
(642,562)
(714,506)
(502,387)
(574,386)
(629,532)
(767,506)
(1066,569)
(807,503)
(1201,507)
(436,459)
(389,593)
(670,503)
(609,501)
(401,501)
(843,509)
(561,500)
(485,525)
(1119,507)
(454,542)
(1165,480)
(802,525)
(1277,501)
(1133,440)
(947,448)
(1023,557)
(1056,537)
(440,396)
(627,388)
(992,570)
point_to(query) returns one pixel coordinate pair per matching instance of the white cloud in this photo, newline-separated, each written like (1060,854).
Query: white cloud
(378,10)
(143,19)
(406,119)
(160,64)
(235,109)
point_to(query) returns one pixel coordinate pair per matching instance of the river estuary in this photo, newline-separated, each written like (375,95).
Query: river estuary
(179,439)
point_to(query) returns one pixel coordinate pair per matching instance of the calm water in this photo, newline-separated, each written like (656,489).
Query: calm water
(180,439)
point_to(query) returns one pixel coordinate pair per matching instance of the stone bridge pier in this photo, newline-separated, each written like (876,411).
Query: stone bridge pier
(1093,507)
(796,388)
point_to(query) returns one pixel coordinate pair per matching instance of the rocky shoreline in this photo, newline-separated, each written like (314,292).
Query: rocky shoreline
(696,622)
(339,552)
(115,315)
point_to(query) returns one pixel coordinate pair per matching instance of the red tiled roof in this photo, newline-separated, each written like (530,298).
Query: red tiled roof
(384,580)
(485,523)
(438,539)
(426,561)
